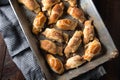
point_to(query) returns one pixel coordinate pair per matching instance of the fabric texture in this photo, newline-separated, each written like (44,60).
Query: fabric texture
(19,48)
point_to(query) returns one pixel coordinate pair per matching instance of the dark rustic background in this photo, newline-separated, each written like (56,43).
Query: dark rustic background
(110,13)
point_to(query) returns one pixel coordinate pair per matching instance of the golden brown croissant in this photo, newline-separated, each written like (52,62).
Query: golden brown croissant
(31,5)
(55,35)
(73,43)
(66,24)
(38,23)
(56,12)
(50,47)
(55,64)
(74,62)
(47,4)
(93,48)
(88,32)
(72,2)
(76,13)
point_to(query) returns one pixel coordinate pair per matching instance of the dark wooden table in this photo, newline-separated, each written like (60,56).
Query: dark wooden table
(8,69)
(110,13)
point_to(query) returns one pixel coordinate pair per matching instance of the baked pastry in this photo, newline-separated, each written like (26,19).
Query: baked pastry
(31,5)
(76,13)
(88,32)
(55,64)
(56,12)
(93,48)
(72,2)
(38,23)
(55,35)
(73,43)
(51,47)
(74,62)
(47,4)
(66,24)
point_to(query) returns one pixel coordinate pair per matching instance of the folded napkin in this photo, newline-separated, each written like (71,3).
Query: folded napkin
(20,51)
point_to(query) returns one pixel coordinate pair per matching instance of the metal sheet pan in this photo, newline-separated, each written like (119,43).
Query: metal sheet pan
(109,50)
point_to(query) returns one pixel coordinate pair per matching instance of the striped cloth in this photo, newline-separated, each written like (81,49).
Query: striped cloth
(20,51)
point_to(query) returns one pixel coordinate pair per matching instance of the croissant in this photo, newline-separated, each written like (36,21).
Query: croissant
(56,12)
(88,32)
(55,35)
(72,2)
(73,43)
(47,4)
(55,64)
(93,48)
(38,23)
(31,5)
(76,13)
(74,62)
(66,24)
(51,47)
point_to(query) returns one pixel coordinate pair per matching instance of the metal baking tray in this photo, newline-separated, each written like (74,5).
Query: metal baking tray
(109,50)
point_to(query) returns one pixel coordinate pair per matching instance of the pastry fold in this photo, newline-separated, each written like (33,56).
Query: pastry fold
(88,32)
(38,23)
(92,49)
(47,4)
(51,47)
(55,64)
(56,12)
(55,35)
(31,5)
(73,43)
(76,13)
(66,24)
(74,62)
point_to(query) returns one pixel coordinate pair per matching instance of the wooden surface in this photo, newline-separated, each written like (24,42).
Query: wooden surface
(8,69)
(110,13)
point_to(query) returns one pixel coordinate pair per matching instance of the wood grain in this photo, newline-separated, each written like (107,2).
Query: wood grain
(110,13)
(8,69)
(2,55)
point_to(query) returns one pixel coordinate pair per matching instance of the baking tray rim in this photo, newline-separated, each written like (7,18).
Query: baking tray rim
(114,53)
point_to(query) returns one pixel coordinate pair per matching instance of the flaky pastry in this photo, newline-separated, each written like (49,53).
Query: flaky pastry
(66,24)
(55,35)
(38,23)
(47,4)
(74,62)
(55,64)
(88,32)
(92,49)
(76,13)
(31,5)
(51,47)
(56,12)
(73,43)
